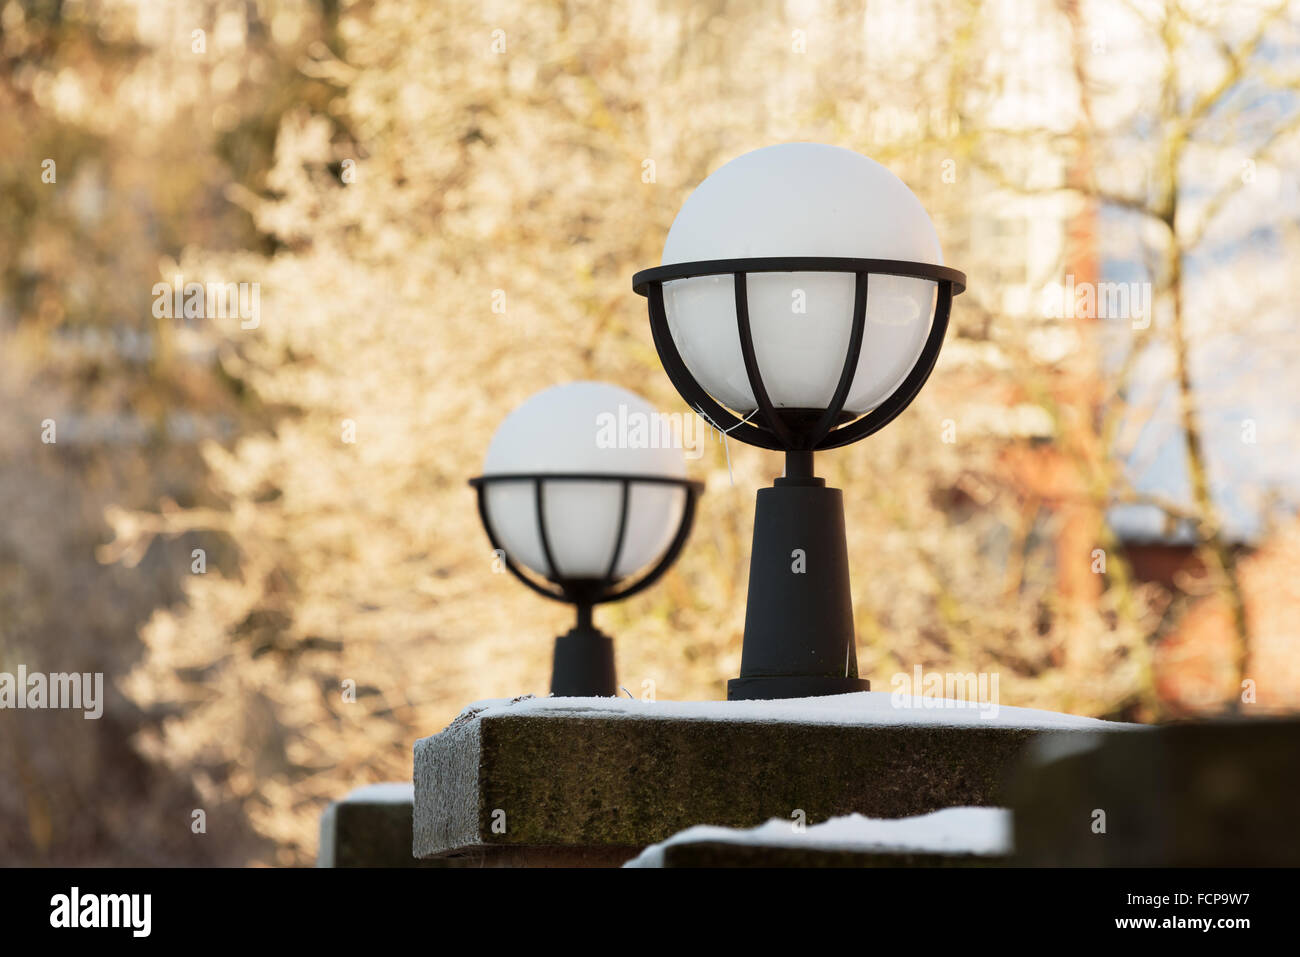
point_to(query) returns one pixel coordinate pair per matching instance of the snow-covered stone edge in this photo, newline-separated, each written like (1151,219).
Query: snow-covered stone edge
(979,831)
(867,708)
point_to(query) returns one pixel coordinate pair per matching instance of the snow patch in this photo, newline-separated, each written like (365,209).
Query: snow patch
(982,831)
(389,792)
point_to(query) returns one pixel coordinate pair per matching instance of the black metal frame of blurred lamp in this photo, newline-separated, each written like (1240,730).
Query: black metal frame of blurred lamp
(583,664)
(799,635)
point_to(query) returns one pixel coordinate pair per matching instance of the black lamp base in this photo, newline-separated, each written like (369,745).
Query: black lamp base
(807,686)
(583,666)
(799,635)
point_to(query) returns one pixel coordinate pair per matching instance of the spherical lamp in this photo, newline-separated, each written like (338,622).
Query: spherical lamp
(583,509)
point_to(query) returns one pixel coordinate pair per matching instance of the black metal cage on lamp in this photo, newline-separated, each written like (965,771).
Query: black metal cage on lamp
(799,430)
(584,656)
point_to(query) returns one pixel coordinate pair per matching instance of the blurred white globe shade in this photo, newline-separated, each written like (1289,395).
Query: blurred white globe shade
(801,199)
(557,430)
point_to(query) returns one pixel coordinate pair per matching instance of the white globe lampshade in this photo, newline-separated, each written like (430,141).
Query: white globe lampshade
(587,427)
(801,199)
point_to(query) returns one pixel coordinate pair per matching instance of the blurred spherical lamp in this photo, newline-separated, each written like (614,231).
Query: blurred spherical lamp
(801,306)
(584,510)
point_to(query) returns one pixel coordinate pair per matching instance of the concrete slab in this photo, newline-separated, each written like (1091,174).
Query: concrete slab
(1203,794)
(370,827)
(541,779)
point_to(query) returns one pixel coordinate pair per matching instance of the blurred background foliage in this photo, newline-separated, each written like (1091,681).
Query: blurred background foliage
(1073,503)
